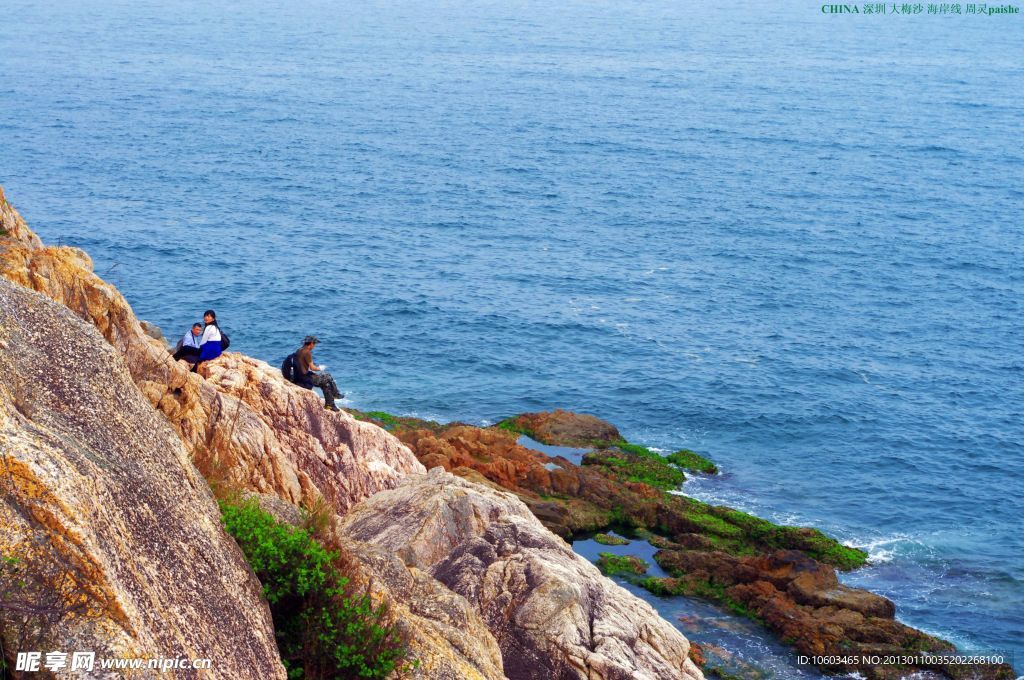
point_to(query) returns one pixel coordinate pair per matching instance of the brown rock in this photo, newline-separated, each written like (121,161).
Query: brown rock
(565,428)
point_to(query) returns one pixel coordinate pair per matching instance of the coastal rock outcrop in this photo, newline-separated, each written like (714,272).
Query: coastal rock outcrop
(552,613)
(247,429)
(784,577)
(110,541)
(443,632)
(238,417)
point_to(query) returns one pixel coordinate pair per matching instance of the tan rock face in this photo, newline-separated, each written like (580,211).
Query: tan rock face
(116,534)
(551,611)
(445,633)
(240,419)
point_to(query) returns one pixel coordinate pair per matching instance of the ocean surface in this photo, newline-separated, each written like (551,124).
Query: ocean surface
(788,240)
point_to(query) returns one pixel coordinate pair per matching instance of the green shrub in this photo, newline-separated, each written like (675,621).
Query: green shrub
(324,629)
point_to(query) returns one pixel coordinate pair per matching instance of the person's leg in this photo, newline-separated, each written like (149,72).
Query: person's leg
(190,354)
(329,379)
(324,381)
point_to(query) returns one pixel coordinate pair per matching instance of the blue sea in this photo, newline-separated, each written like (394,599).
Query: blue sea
(790,240)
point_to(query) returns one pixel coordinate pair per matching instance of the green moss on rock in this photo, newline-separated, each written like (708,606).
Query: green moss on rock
(690,460)
(607,539)
(612,565)
(629,466)
(698,587)
(393,423)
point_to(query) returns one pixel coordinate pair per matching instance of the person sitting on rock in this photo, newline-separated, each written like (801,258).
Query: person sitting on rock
(188,347)
(210,342)
(308,374)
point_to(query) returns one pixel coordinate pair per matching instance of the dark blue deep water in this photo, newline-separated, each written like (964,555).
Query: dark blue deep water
(791,241)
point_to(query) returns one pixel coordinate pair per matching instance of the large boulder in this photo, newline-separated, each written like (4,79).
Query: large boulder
(111,541)
(565,428)
(553,614)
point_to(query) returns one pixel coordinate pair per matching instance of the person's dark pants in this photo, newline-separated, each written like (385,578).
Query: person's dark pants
(189,354)
(325,382)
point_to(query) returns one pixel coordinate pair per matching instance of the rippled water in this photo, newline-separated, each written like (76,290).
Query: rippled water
(788,240)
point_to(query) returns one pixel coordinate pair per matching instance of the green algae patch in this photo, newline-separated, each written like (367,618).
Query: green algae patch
(706,589)
(607,539)
(712,527)
(822,548)
(631,465)
(741,533)
(515,427)
(393,423)
(613,565)
(691,460)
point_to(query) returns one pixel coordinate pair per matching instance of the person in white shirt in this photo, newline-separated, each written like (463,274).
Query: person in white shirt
(210,342)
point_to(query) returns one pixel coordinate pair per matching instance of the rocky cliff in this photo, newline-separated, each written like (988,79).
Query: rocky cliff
(110,539)
(239,418)
(240,423)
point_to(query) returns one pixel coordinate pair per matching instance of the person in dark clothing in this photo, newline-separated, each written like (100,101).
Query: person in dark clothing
(188,347)
(308,374)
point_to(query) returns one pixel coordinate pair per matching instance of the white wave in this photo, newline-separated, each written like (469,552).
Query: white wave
(882,549)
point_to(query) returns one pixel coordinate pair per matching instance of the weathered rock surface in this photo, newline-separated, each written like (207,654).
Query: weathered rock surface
(13,227)
(113,532)
(239,418)
(552,613)
(445,633)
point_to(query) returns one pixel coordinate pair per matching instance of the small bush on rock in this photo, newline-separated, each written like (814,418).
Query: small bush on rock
(324,629)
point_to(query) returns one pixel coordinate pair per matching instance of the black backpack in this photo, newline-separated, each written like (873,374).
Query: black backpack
(288,368)
(225,341)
